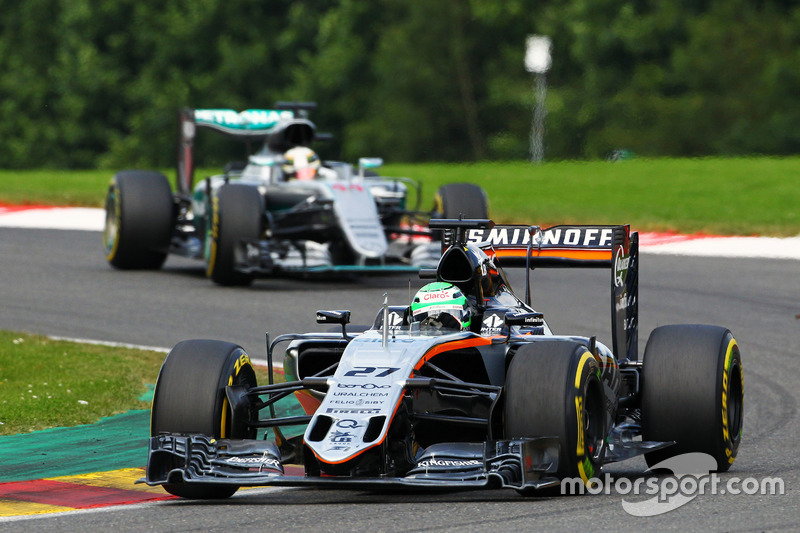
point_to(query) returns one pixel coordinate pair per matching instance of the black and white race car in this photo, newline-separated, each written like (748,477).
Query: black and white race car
(282,212)
(465,388)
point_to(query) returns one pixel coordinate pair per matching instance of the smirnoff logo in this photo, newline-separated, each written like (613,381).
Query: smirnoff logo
(556,237)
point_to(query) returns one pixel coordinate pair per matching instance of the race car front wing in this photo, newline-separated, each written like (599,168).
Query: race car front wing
(521,464)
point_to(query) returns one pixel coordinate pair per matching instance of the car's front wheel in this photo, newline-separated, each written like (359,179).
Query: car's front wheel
(553,390)
(236,214)
(190,399)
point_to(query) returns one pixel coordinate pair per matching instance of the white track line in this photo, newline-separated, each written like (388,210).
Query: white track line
(256,361)
(66,218)
(110,344)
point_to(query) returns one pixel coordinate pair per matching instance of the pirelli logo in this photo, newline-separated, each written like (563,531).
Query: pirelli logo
(598,237)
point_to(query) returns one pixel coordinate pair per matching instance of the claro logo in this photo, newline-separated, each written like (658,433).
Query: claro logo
(434,296)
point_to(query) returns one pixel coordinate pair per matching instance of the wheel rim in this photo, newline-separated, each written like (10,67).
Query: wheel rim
(735,404)
(593,419)
(111,229)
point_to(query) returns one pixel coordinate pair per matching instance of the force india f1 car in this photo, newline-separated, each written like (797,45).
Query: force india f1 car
(284,211)
(504,402)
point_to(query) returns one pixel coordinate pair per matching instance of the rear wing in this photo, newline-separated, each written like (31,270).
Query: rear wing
(281,128)
(577,246)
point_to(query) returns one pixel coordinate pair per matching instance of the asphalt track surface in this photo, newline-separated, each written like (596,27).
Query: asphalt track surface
(58,283)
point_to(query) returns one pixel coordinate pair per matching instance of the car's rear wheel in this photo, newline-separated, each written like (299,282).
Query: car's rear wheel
(190,399)
(693,393)
(139,220)
(236,214)
(456,199)
(553,390)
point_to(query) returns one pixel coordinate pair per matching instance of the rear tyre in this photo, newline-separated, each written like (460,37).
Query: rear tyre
(553,390)
(236,214)
(139,220)
(455,199)
(190,399)
(693,392)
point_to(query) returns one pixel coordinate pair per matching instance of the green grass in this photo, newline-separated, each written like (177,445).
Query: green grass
(84,188)
(740,196)
(46,383)
(735,196)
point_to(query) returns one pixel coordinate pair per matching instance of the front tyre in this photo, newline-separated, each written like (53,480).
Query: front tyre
(693,393)
(553,390)
(236,214)
(139,220)
(190,399)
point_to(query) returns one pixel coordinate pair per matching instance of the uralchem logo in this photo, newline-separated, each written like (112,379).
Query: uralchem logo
(692,476)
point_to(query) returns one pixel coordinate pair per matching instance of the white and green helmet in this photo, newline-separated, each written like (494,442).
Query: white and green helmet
(442,304)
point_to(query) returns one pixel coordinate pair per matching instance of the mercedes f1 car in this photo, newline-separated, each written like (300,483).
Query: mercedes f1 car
(493,398)
(282,212)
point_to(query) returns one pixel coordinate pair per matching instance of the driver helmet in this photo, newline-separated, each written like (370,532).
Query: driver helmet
(301,162)
(441,305)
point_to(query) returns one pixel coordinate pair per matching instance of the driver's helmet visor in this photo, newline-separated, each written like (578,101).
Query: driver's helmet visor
(306,173)
(443,317)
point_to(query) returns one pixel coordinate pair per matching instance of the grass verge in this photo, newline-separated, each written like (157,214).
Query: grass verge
(728,196)
(46,383)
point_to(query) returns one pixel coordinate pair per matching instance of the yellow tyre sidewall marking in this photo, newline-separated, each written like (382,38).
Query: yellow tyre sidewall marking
(725,380)
(212,244)
(241,362)
(118,220)
(583,465)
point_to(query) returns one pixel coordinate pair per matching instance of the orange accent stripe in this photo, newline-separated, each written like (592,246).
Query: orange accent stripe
(450,346)
(309,403)
(592,255)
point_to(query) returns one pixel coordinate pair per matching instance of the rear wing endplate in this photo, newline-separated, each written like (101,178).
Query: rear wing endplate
(613,247)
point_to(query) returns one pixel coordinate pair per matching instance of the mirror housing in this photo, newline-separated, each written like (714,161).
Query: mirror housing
(533,320)
(333,317)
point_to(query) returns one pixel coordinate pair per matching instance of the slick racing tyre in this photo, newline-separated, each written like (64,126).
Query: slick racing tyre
(139,220)
(455,199)
(190,399)
(235,215)
(692,393)
(553,390)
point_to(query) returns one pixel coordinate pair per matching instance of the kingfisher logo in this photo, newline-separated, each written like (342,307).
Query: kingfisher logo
(265,461)
(449,463)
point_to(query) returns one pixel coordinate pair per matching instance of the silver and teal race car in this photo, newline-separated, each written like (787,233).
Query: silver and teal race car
(283,211)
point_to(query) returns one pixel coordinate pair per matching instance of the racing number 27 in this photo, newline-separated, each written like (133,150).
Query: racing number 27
(364,371)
